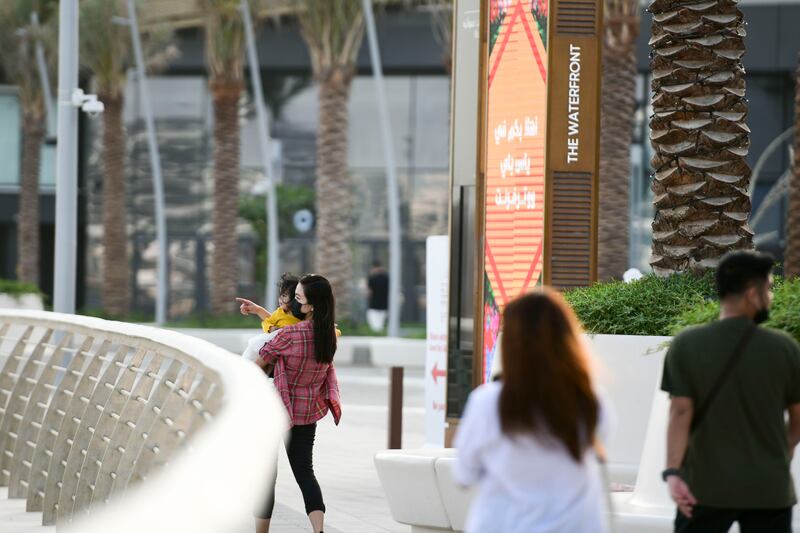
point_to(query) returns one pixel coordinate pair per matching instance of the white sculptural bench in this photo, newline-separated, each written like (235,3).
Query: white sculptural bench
(92,410)
(421,490)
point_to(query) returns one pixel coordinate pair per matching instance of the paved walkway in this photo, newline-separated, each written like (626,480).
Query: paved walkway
(343,458)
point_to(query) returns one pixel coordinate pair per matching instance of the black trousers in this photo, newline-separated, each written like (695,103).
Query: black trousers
(715,520)
(300,449)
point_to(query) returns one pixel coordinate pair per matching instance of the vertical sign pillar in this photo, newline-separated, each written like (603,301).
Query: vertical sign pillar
(536,178)
(436,297)
(463,232)
(573,143)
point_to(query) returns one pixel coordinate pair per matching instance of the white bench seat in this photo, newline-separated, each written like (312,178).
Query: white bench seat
(421,489)
(409,480)
(456,498)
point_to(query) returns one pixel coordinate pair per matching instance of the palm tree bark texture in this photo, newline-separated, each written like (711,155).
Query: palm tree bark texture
(18,40)
(116,274)
(699,134)
(105,53)
(334,196)
(225,59)
(333,32)
(28,225)
(226,194)
(618,105)
(792,260)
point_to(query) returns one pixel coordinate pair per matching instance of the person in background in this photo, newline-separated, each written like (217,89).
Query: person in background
(378,294)
(305,379)
(731,382)
(531,440)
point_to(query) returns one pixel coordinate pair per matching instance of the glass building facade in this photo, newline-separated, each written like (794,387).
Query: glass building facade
(419,109)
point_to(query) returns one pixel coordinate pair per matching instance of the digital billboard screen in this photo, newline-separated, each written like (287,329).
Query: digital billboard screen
(516,122)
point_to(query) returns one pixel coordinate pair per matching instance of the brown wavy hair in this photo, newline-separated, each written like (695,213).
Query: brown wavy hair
(547,385)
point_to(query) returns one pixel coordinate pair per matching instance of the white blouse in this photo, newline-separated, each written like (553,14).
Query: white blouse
(526,484)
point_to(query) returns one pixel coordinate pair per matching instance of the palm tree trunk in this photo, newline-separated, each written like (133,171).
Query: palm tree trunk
(28,226)
(618,103)
(792,259)
(116,274)
(334,195)
(699,134)
(224,275)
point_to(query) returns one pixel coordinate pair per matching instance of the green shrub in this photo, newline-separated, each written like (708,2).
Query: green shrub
(648,306)
(16,288)
(784,313)
(656,306)
(290,199)
(702,313)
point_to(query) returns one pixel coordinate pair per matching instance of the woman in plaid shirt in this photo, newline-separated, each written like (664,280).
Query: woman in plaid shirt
(306,381)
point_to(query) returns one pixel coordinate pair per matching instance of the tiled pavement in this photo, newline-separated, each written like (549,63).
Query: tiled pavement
(284,520)
(343,458)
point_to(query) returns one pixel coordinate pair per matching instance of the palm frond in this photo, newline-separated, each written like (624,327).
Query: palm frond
(224,38)
(333,32)
(106,46)
(18,41)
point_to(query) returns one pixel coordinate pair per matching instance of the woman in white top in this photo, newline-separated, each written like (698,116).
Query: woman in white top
(530,440)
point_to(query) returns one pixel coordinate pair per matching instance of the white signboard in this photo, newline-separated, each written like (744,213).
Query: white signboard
(437,276)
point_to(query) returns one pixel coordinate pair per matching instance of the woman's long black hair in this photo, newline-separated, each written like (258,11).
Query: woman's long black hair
(319,294)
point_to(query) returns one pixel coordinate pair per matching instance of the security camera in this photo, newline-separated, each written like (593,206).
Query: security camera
(93,107)
(88,103)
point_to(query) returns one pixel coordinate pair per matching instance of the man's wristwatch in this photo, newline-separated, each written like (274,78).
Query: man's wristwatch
(670,472)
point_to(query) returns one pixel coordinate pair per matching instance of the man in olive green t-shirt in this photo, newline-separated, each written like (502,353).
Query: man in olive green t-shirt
(732,463)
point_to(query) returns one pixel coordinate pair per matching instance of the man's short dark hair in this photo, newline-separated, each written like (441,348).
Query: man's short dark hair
(376,264)
(739,270)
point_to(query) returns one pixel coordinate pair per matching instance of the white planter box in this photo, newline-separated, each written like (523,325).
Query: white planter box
(23,301)
(630,370)
(629,373)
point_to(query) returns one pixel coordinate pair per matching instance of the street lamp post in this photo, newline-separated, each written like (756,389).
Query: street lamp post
(66,160)
(155,166)
(392,192)
(273,244)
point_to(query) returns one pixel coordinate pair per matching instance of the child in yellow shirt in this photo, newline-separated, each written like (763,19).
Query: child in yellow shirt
(271,322)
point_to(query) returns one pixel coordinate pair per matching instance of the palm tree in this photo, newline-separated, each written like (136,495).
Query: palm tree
(106,54)
(618,102)
(333,32)
(18,39)
(792,260)
(225,58)
(699,134)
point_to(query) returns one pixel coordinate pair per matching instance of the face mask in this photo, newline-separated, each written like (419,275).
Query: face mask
(294,307)
(762,315)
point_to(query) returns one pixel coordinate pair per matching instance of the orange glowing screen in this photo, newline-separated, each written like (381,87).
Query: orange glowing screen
(515,149)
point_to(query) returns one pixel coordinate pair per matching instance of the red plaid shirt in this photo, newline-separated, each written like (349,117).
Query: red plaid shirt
(308,389)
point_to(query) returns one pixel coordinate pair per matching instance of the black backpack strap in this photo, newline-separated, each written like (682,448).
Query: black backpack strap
(701,411)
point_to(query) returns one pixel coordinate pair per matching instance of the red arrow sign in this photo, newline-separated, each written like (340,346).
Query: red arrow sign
(436,373)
